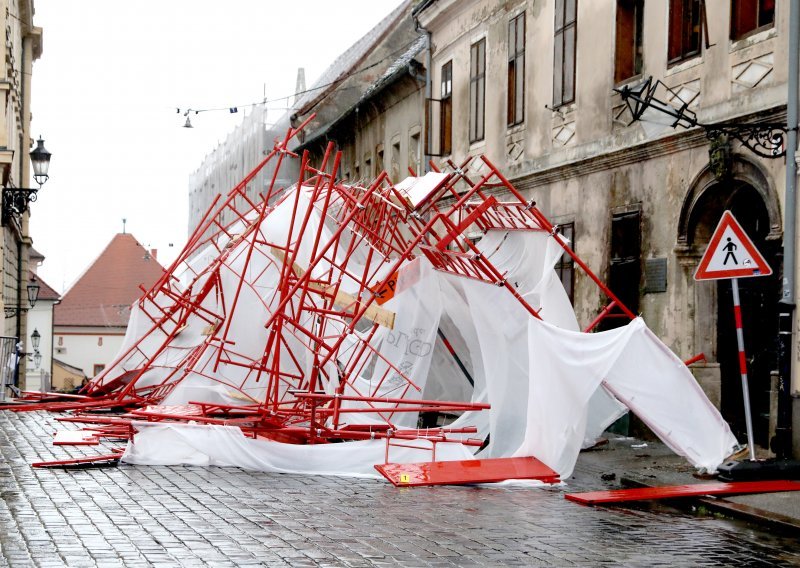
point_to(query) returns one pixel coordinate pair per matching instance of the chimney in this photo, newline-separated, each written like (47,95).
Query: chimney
(300,84)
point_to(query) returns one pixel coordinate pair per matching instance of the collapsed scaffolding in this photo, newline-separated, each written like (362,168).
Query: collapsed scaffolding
(362,320)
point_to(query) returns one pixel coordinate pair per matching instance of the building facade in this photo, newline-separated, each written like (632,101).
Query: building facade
(23,45)
(531,85)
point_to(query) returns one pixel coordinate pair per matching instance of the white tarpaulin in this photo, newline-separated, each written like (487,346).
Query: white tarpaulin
(551,388)
(190,444)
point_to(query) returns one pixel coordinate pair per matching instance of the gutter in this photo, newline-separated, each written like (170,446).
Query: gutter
(428,91)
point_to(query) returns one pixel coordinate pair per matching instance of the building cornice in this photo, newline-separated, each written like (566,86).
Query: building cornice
(593,157)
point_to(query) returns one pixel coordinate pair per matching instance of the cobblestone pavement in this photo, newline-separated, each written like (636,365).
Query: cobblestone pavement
(191,516)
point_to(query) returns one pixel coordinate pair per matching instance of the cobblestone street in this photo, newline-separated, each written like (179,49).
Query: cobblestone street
(191,516)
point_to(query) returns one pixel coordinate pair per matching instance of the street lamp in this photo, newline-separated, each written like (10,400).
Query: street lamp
(17,199)
(33,291)
(33,295)
(36,337)
(765,139)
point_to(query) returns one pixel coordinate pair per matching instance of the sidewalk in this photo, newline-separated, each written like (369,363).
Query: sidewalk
(629,462)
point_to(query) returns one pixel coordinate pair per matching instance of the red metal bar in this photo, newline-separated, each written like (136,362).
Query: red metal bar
(679,491)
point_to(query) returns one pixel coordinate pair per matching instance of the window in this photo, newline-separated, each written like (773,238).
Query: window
(379,164)
(625,270)
(564,64)
(97,369)
(684,30)
(396,160)
(414,157)
(748,16)
(565,267)
(628,57)
(477,90)
(368,167)
(516,70)
(446,110)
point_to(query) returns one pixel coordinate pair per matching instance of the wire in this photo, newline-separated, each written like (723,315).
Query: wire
(393,54)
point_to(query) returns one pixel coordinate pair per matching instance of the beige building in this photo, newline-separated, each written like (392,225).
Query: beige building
(22,46)
(531,85)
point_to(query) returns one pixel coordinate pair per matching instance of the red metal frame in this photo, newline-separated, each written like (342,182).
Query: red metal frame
(340,237)
(678,491)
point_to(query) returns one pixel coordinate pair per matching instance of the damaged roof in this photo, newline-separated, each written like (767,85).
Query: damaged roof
(359,69)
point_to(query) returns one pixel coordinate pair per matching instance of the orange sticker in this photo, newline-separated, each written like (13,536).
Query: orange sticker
(386,292)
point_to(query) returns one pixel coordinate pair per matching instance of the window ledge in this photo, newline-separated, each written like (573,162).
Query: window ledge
(753,38)
(629,81)
(477,144)
(684,65)
(566,108)
(515,128)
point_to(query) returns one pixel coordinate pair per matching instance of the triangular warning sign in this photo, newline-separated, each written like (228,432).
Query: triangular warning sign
(731,254)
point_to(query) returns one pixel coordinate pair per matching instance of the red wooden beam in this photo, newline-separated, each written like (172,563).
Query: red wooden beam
(676,491)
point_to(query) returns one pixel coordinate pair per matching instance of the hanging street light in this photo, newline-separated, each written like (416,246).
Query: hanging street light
(17,199)
(765,139)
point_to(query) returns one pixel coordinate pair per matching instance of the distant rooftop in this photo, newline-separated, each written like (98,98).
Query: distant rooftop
(102,296)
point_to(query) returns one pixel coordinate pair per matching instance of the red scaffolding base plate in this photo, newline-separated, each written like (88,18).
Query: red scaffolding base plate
(466,471)
(80,462)
(675,491)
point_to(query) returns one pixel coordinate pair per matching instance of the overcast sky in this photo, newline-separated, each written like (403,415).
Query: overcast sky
(105,93)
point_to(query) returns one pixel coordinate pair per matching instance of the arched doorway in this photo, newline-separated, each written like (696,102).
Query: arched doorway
(756,210)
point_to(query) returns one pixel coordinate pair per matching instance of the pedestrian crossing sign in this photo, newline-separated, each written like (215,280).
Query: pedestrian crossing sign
(731,254)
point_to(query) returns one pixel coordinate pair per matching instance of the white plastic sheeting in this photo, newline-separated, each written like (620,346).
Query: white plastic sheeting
(190,444)
(551,388)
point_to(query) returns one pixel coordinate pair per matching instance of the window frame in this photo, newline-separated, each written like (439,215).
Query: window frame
(477,91)
(414,154)
(737,7)
(629,55)
(446,109)
(515,93)
(566,264)
(678,30)
(565,25)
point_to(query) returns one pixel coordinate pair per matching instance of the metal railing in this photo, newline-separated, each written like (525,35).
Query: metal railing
(8,364)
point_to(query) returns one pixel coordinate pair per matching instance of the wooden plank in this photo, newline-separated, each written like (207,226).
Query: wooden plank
(346,301)
(466,472)
(678,491)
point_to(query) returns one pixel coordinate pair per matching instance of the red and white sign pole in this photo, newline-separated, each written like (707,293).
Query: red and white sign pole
(737,314)
(731,254)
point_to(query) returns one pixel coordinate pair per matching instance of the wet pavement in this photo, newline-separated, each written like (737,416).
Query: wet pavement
(191,516)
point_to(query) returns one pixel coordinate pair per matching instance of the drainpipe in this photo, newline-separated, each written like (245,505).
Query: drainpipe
(782,443)
(428,91)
